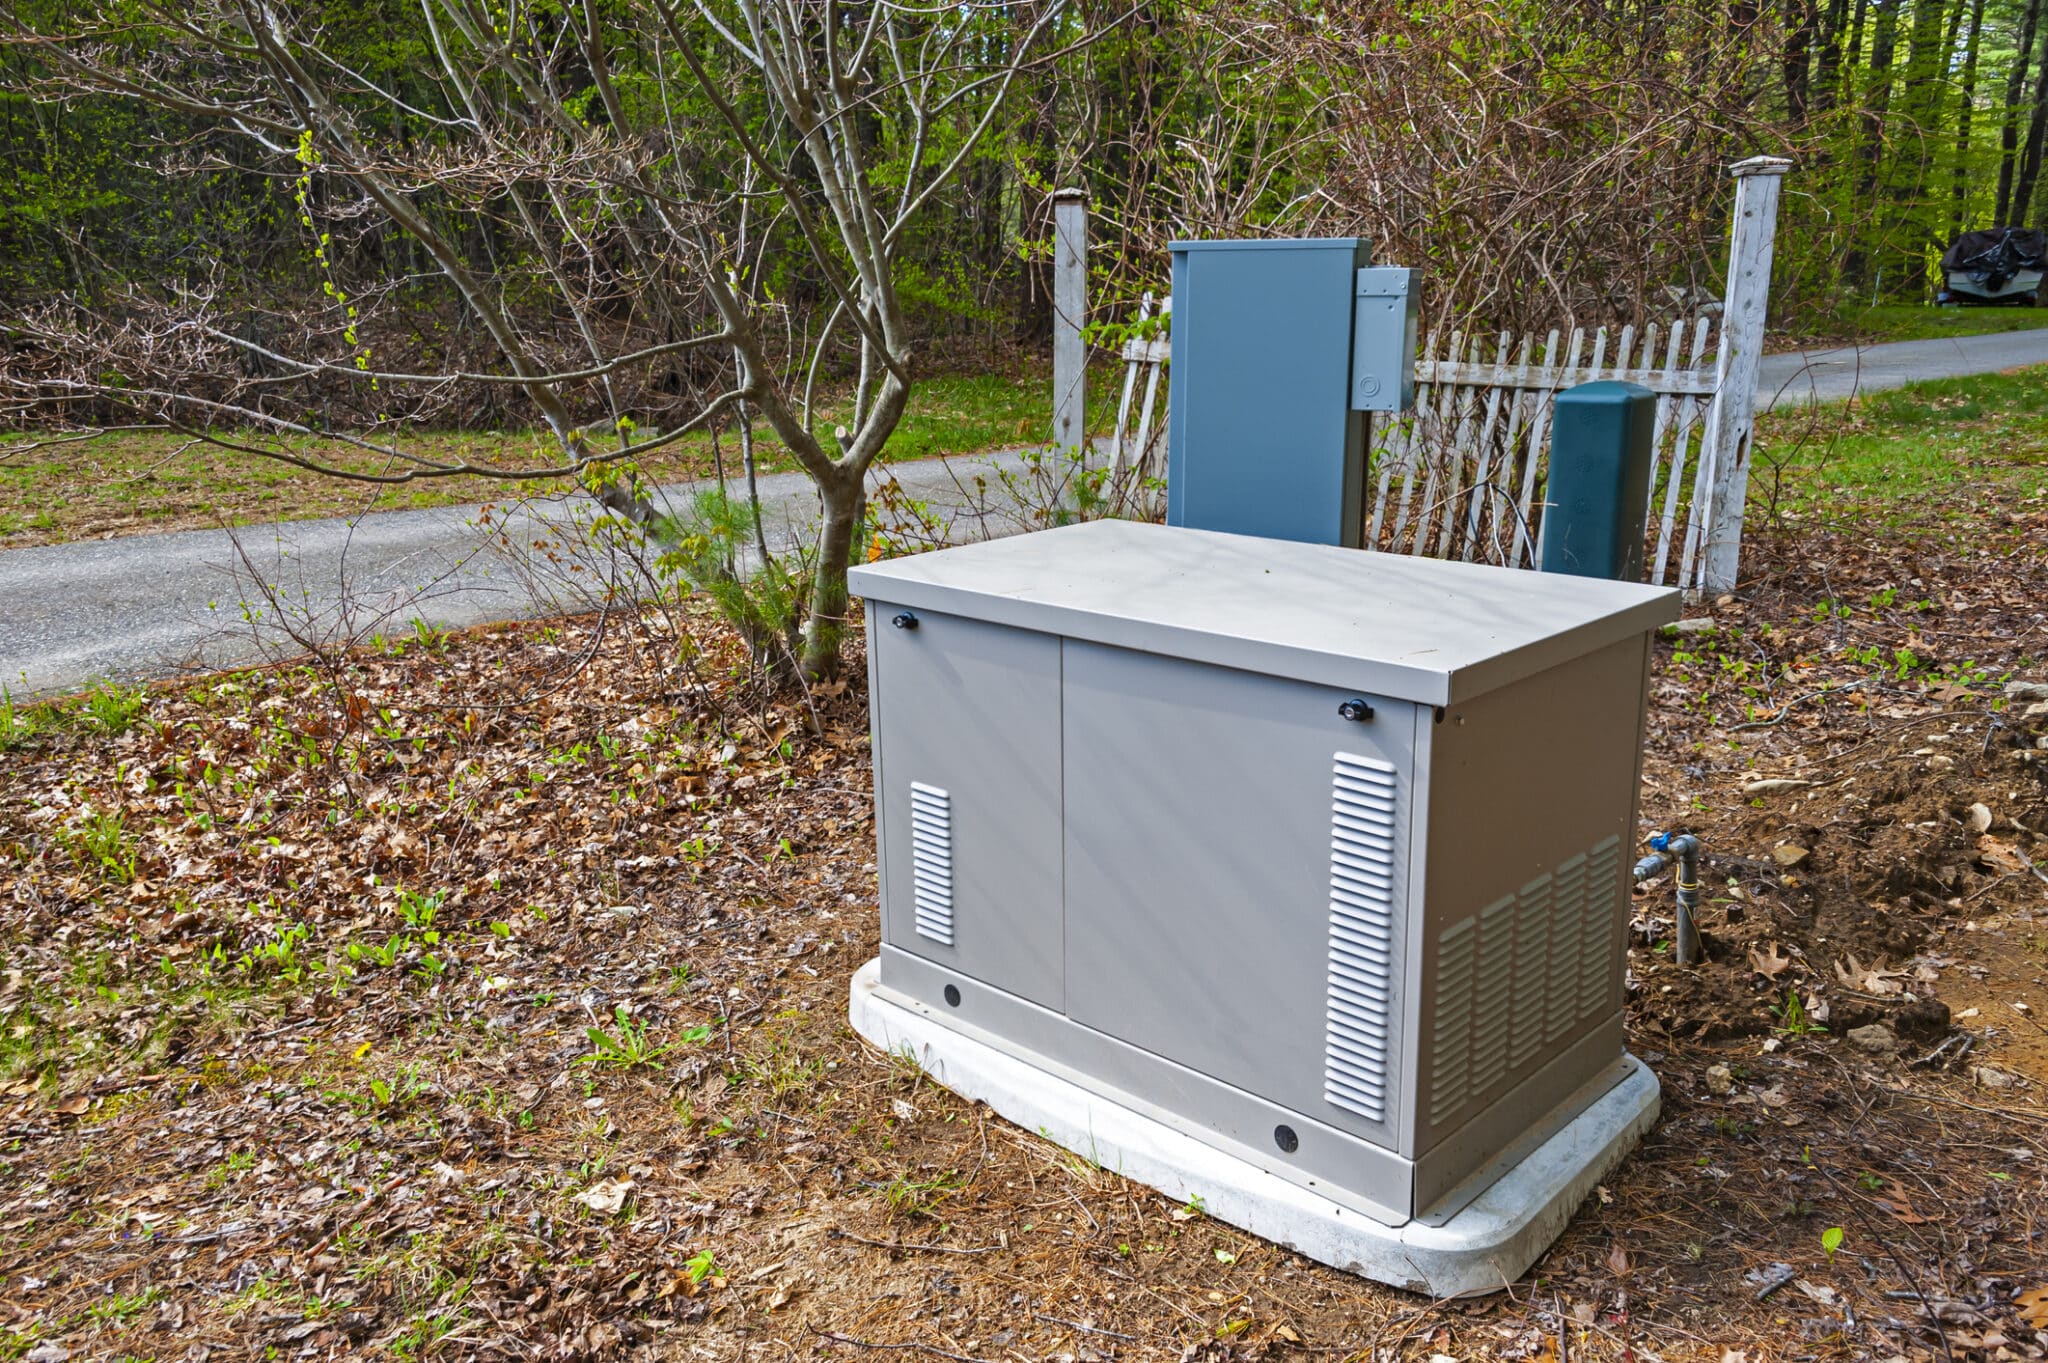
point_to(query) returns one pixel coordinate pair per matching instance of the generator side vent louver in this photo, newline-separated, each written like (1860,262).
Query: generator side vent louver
(1493,978)
(931,860)
(1359,1007)
(1524,970)
(1450,1054)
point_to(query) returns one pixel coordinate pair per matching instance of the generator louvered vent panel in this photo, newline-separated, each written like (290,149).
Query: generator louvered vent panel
(1493,978)
(1532,942)
(1520,974)
(931,860)
(1363,841)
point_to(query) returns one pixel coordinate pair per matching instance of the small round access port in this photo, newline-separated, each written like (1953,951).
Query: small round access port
(1284,1137)
(953,995)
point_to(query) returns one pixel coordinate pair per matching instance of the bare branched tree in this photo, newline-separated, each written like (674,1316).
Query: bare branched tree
(702,197)
(1543,163)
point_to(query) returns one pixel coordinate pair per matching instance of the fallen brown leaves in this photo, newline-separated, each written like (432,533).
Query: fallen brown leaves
(304,975)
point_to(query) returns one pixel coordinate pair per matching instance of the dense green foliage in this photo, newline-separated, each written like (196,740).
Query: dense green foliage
(621,221)
(1460,133)
(111,192)
(1580,143)
(1919,119)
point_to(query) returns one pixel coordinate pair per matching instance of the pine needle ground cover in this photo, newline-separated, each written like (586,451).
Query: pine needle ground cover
(484,997)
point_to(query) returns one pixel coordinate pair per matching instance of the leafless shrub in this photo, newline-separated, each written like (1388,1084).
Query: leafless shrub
(1543,164)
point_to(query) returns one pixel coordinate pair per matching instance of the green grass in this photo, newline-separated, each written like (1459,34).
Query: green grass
(148,481)
(963,413)
(105,708)
(1911,322)
(1914,450)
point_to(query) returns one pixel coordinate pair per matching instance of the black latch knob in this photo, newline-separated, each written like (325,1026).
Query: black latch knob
(1355,710)
(905,621)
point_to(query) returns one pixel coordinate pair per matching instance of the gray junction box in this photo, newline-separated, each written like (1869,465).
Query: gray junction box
(1314,857)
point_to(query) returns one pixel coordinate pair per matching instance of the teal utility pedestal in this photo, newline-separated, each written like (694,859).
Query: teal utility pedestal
(1598,493)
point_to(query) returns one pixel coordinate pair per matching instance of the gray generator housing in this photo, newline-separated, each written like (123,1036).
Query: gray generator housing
(1317,855)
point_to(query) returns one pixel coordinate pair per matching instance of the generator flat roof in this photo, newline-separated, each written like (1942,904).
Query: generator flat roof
(1407,628)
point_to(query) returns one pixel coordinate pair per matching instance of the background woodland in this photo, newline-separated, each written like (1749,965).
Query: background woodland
(1547,163)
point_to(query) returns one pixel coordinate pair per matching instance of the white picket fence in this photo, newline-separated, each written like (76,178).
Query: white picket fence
(1462,475)
(1138,454)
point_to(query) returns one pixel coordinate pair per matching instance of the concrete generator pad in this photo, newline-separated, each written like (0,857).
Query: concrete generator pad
(1482,1248)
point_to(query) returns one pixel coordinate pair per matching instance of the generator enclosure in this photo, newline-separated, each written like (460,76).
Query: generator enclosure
(1319,856)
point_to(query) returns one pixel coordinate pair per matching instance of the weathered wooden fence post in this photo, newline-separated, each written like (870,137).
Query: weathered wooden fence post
(1069,315)
(1750,247)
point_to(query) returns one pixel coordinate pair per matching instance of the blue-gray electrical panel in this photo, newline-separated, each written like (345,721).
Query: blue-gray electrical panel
(1279,349)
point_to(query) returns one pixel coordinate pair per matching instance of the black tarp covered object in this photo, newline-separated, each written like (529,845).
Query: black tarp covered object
(1986,266)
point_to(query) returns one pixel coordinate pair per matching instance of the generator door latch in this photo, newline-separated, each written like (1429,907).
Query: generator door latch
(905,621)
(1355,710)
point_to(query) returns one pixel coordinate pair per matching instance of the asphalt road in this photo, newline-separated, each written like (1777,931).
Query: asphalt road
(1835,373)
(149,606)
(160,605)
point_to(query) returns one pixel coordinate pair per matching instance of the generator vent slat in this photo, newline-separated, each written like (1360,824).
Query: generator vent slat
(1532,919)
(1359,1008)
(1450,1055)
(1522,973)
(1597,937)
(931,861)
(1562,1002)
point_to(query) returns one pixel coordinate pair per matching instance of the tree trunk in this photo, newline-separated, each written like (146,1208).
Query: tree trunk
(1827,76)
(2009,126)
(2037,130)
(1799,38)
(1966,109)
(844,494)
(1877,96)
(1923,108)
